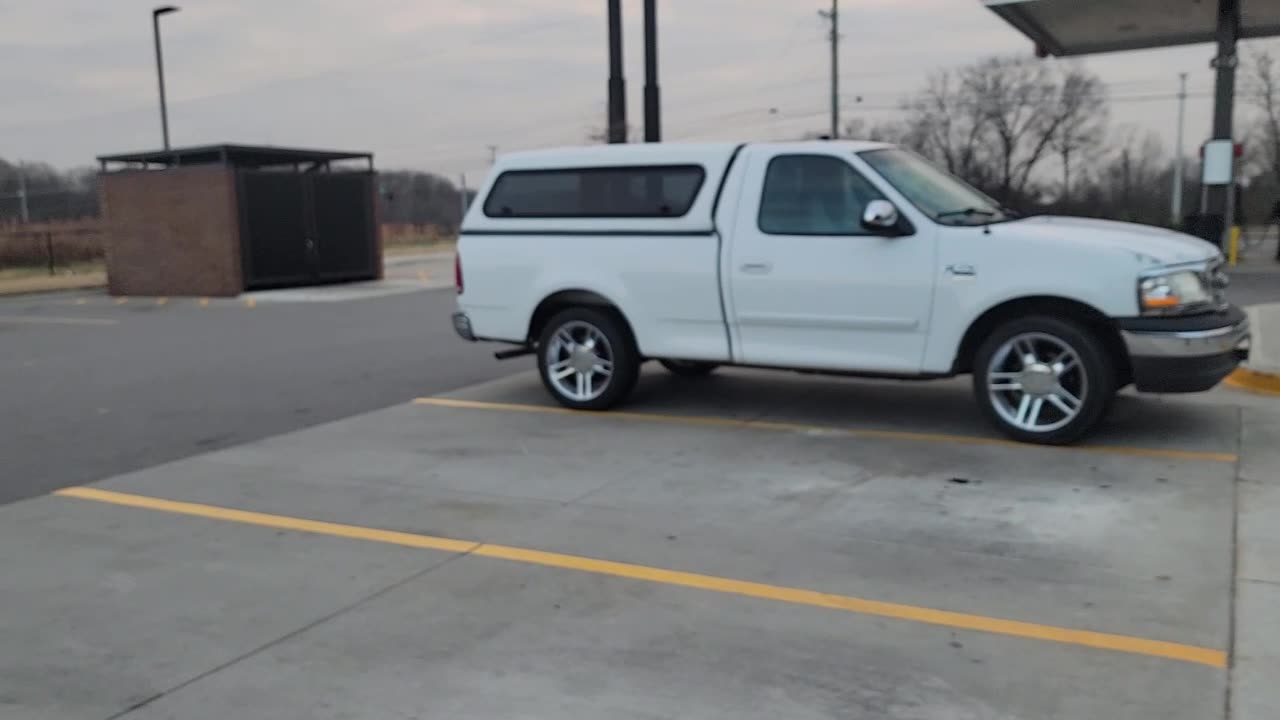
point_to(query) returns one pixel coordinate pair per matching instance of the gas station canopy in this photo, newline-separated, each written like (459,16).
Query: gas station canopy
(1081,27)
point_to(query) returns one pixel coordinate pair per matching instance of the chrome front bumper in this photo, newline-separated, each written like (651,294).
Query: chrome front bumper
(1190,344)
(1182,355)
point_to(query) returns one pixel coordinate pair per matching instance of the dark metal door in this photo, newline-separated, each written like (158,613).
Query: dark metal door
(344,226)
(274,232)
(301,229)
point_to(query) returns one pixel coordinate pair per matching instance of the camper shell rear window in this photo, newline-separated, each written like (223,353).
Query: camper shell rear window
(638,191)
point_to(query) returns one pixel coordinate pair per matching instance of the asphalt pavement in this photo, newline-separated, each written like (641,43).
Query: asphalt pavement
(92,388)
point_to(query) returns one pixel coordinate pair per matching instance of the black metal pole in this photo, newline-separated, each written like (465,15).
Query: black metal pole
(617,86)
(1217,196)
(652,96)
(164,108)
(835,69)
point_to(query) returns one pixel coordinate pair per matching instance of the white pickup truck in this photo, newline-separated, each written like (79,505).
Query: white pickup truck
(848,258)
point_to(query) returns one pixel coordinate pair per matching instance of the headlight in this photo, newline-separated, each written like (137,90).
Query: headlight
(1176,293)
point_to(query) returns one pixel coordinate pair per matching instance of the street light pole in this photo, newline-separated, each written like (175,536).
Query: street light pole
(155,31)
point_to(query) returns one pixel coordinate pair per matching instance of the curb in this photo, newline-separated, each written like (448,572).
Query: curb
(1254,381)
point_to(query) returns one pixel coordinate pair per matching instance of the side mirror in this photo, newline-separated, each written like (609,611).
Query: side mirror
(880,216)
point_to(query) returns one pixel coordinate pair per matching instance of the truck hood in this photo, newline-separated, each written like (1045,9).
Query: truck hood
(1151,246)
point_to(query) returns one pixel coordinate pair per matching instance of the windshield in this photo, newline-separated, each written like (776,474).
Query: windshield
(942,196)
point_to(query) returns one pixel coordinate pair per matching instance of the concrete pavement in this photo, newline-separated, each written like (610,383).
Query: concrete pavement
(748,545)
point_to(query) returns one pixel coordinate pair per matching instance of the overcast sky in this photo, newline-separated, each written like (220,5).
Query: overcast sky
(429,84)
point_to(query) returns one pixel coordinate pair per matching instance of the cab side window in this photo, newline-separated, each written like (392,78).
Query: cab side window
(814,195)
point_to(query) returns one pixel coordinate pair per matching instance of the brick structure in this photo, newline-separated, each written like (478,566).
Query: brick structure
(173,232)
(221,219)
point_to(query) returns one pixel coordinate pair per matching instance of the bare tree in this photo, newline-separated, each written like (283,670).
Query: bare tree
(1263,80)
(1133,181)
(1017,101)
(1082,126)
(945,123)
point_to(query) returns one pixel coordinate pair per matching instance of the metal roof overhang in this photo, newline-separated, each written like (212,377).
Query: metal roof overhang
(1082,27)
(238,155)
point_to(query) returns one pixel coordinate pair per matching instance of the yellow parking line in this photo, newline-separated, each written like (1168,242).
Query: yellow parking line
(162,301)
(121,301)
(795,596)
(848,432)
(251,303)
(204,302)
(281,522)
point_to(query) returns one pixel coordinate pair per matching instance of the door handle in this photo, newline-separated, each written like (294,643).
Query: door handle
(759,268)
(962,270)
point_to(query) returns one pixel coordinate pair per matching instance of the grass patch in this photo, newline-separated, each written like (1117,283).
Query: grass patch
(90,267)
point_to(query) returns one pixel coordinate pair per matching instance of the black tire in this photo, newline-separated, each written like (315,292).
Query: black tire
(1094,377)
(689,368)
(621,348)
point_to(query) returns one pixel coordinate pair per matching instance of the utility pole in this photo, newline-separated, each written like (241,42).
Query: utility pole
(834,16)
(493,153)
(1177,157)
(617,86)
(652,97)
(462,197)
(24,213)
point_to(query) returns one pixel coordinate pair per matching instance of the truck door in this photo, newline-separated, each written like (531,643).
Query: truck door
(810,287)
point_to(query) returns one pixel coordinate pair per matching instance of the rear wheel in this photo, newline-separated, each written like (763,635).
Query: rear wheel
(1044,380)
(689,368)
(587,359)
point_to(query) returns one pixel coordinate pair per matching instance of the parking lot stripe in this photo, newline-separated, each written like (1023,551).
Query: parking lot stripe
(1163,453)
(281,522)
(50,320)
(794,596)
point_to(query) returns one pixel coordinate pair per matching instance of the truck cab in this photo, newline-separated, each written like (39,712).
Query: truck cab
(840,257)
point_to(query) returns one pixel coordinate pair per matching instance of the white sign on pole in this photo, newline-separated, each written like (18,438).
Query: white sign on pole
(1219,160)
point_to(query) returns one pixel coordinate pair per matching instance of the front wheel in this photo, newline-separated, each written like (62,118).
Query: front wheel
(1044,380)
(587,359)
